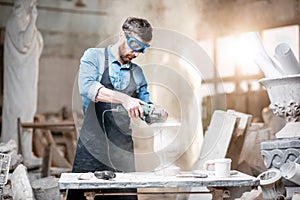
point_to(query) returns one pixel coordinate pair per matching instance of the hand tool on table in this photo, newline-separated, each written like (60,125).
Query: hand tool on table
(106,175)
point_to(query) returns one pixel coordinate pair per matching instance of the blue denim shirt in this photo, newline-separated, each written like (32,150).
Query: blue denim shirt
(91,70)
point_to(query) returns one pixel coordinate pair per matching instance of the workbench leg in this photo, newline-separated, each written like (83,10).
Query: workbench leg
(218,193)
(89,195)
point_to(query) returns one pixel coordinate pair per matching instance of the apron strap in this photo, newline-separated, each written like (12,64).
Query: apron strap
(106,58)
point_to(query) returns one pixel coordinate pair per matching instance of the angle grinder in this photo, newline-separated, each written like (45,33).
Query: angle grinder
(152,113)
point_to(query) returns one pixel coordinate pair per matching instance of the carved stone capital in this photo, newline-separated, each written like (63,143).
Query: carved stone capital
(290,112)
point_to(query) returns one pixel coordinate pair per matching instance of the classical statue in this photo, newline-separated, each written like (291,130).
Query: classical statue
(22,49)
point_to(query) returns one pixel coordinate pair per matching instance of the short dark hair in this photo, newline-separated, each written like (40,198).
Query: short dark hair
(139,26)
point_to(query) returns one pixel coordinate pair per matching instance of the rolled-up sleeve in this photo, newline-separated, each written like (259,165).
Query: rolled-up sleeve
(143,94)
(142,86)
(89,76)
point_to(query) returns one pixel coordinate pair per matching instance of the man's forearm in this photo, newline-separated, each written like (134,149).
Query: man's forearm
(111,96)
(132,105)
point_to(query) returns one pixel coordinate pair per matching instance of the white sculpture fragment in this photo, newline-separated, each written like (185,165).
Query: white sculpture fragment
(22,48)
(287,59)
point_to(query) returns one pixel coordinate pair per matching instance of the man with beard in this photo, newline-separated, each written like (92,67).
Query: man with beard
(110,84)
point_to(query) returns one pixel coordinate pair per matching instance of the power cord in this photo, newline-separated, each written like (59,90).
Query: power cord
(118,109)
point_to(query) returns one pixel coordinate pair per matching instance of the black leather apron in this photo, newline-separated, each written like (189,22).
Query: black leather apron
(105,141)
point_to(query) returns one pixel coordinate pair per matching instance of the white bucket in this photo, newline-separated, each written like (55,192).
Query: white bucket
(46,188)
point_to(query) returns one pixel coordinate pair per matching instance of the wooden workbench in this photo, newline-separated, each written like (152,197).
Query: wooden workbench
(218,187)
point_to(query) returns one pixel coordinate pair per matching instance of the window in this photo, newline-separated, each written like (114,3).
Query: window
(233,58)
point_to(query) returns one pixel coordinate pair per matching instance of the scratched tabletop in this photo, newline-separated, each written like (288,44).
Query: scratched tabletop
(150,180)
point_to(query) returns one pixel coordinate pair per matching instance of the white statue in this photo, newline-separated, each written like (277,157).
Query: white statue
(22,48)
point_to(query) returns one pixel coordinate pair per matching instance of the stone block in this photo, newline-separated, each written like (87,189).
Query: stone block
(21,187)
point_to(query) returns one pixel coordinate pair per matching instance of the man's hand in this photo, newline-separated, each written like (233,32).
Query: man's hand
(133,107)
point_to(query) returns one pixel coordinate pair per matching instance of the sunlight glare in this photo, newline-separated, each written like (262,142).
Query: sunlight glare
(247,46)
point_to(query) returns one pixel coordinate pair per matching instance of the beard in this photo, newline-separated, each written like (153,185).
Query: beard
(125,58)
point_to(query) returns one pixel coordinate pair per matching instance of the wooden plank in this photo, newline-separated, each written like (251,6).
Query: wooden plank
(43,131)
(238,137)
(46,161)
(69,139)
(49,125)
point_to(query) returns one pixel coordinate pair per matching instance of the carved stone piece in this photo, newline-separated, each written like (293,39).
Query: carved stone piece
(271,185)
(284,94)
(277,152)
(290,112)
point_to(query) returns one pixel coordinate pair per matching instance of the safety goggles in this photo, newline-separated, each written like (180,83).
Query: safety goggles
(135,44)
